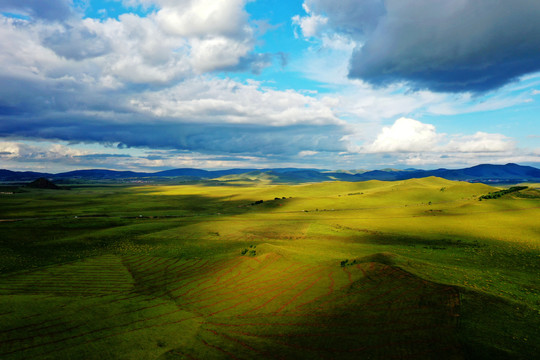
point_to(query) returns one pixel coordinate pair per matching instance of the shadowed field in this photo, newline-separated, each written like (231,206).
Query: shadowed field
(417,269)
(243,307)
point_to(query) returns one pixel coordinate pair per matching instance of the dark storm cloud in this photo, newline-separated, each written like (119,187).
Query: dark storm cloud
(42,9)
(210,138)
(454,46)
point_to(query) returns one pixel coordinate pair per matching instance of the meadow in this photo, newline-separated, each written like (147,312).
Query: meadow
(414,269)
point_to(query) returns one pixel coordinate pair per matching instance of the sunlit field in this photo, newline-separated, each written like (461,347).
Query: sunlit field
(415,269)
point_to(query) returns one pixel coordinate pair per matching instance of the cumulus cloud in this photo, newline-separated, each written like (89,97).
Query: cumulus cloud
(226,101)
(26,152)
(310,25)
(405,135)
(217,53)
(409,136)
(203,18)
(133,49)
(449,46)
(481,142)
(76,42)
(137,81)
(398,145)
(218,33)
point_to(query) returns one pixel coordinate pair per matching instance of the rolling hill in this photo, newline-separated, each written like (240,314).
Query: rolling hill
(409,269)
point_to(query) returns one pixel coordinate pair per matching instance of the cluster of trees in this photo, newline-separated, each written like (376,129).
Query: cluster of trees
(251,251)
(261,201)
(498,194)
(346,262)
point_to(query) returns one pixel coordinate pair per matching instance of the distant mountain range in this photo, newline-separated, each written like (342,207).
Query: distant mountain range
(509,173)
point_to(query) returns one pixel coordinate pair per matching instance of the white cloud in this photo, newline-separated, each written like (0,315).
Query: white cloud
(9,149)
(217,31)
(405,135)
(412,136)
(142,90)
(481,142)
(307,153)
(32,152)
(180,39)
(204,100)
(310,25)
(217,53)
(202,18)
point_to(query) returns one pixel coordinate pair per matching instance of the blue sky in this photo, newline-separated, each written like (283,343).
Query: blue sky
(351,84)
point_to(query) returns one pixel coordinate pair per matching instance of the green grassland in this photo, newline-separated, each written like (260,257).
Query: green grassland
(414,269)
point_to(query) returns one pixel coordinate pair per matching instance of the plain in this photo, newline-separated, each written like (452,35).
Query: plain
(420,268)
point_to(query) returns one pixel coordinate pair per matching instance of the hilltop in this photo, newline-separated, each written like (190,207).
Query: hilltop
(43,183)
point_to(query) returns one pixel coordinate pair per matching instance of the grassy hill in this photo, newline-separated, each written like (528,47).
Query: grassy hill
(416,269)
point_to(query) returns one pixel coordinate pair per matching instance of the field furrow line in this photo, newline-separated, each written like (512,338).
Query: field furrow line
(258,288)
(80,325)
(348,295)
(237,281)
(89,332)
(230,355)
(236,289)
(329,293)
(282,292)
(300,293)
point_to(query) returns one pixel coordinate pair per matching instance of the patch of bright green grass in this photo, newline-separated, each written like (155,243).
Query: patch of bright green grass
(417,268)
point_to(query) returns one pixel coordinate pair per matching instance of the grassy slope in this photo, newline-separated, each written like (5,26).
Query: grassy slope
(431,271)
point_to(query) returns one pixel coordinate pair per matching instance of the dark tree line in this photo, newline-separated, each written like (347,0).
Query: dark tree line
(498,194)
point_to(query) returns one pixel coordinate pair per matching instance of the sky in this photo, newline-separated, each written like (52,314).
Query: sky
(149,85)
